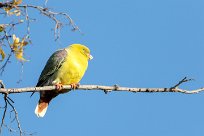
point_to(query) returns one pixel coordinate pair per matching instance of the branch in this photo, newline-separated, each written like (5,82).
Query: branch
(99,87)
(46,12)
(9,101)
(53,15)
(67,88)
(106,89)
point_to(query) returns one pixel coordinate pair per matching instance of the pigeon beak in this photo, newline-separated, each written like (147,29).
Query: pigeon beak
(90,57)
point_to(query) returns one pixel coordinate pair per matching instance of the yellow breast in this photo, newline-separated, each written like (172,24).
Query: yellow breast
(72,70)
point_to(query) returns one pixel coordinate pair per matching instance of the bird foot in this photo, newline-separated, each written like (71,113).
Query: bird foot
(59,86)
(74,85)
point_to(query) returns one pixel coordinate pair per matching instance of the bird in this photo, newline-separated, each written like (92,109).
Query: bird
(64,67)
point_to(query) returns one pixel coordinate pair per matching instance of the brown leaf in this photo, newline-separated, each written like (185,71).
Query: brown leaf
(17,2)
(19,54)
(2,27)
(2,53)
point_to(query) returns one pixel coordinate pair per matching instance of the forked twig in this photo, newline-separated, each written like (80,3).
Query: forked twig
(9,101)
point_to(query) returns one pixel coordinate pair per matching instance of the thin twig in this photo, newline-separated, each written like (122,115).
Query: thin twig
(9,101)
(54,16)
(2,69)
(2,84)
(185,79)
(16,117)
(4,114)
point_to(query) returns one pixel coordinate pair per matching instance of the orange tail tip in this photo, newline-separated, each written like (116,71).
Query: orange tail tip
(41,109)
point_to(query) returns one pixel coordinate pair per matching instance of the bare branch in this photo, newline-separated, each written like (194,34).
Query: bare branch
(54,16)
(106,89)
(47,12)
(9,101)
(67,88)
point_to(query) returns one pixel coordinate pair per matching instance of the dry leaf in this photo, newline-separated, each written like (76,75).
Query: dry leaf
(19,54)
(17,2)
(17,12)
(23,42)
(2,53)
(15,42)
(2,27)
(18,46)
(7,10)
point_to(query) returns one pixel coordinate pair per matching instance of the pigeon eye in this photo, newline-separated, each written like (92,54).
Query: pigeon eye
(84,50)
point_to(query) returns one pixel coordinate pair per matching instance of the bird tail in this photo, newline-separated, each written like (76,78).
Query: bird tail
(45,98)
(41,107)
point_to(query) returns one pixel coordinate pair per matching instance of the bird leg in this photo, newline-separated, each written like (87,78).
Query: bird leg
(74,85)
(59,86)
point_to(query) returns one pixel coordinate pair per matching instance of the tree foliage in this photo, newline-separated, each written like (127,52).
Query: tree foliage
(16,14)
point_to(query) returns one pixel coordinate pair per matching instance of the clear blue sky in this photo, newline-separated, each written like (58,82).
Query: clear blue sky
(135,43)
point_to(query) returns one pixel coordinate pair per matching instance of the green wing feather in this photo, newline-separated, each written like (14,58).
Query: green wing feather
(52,65)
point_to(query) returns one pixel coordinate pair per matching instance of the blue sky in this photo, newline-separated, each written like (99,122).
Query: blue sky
(135,43)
